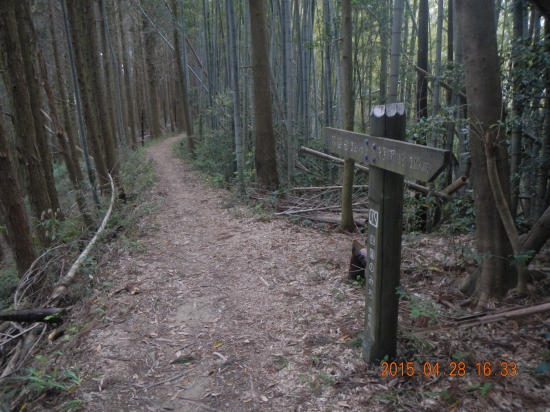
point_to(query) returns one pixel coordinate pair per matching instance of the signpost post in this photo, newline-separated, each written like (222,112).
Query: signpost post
(389,159)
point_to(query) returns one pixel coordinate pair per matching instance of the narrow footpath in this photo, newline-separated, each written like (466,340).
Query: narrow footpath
(235,312)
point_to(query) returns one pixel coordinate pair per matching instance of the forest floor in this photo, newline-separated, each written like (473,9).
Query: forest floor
(235,310)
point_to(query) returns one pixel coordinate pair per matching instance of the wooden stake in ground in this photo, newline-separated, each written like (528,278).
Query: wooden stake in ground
(384,241)
(389,159)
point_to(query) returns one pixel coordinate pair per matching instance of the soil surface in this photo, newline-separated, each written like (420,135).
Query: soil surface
(234,311)
(231,313)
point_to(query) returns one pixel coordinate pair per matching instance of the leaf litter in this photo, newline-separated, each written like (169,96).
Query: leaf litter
(240,313)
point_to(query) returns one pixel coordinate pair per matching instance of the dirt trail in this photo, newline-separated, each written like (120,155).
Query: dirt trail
(233,313)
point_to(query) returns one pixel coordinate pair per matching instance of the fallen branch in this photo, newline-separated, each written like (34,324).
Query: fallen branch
(291,212)
(443,84)
(31,315)
(323,188)
(62,285)
(492,317)
(304,170)
(330,219)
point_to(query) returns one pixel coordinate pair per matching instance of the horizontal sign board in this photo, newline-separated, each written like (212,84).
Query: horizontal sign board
(411,160)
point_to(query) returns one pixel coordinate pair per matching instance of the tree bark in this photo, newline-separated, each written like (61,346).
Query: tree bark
(114,64)
(422,60)
(80,44)
(183,97)
(13,208)
(98,91)
(29,48)
(130,102)
(347,222)
(73,168)
(436,104)
(289,89)
(327,79)
(477,29)
(544,165)
(18,86)
(492,141)
(150,45)
(78,104)
(265,160)
(384,51)
(237,129)
(517,107)
(60,82)
(395,50)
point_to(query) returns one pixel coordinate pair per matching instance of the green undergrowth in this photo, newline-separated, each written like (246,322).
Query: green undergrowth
(44,384)
(214,157)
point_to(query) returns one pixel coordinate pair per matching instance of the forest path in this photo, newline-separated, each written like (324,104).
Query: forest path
(233,313)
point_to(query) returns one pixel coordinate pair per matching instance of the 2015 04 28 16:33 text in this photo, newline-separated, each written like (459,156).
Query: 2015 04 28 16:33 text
(453,369)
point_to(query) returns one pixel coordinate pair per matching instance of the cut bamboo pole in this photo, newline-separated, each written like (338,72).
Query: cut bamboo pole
(408,184)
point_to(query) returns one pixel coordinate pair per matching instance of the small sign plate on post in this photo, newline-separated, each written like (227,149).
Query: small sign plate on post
(389,159)
(408,159)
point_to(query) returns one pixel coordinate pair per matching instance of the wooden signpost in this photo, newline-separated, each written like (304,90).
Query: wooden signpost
(389,159)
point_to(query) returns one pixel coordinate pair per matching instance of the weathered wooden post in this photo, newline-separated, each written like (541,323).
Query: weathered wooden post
(384,237)
(389,159)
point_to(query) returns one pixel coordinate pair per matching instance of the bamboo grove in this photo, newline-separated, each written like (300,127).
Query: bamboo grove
(249,83)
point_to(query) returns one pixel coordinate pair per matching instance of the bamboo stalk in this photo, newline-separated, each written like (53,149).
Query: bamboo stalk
(322,188)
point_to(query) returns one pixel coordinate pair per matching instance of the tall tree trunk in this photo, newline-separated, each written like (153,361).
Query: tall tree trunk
(80,44)
(347,222)
(12,207)
(517,107)
(80,116)
(73,168)
(105,74)
(411,48)
(452,96)
(98,92)
(327,78)
(60,83)
(18,86)
(184,48)
(237,129)
(544,165)
(265,160)
(289,88)
(384,51)
(436,104)
(185,114)
(209,69)
(395,49)
(118,99)
(28,41)
(477,29)
(422,60)
(150,48)
(130,103)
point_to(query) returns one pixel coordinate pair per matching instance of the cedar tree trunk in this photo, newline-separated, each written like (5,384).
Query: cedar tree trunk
(265,160)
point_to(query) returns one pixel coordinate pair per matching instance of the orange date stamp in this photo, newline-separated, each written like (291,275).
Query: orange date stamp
(452,369)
